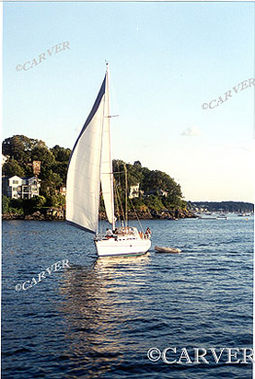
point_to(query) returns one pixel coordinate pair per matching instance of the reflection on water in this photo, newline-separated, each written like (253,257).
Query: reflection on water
(96,311)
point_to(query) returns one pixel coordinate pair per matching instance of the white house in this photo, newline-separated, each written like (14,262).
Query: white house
(12,187)
(4,159)
(62,190)
(134,191)
(21,188)
(30,187)
(162,193)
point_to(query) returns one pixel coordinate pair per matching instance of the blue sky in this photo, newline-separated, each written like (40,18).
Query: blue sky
(166,60)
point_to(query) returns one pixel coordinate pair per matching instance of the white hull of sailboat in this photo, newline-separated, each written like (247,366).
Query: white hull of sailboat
(112,247)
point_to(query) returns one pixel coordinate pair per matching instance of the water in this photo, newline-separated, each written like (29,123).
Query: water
(99,318)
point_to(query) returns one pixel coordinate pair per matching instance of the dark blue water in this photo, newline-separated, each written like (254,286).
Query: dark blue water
(99,318)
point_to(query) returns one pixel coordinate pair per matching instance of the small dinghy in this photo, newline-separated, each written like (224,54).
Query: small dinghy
(167,250)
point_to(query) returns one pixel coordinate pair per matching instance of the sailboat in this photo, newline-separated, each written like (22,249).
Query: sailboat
(90,166)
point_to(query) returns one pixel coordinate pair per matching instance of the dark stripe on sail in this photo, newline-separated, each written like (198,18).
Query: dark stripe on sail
(91,115)
(80,227)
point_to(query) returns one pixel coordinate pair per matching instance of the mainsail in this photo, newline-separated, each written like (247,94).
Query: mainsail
(90,161)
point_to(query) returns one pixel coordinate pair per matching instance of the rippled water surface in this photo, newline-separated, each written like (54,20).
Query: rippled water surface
(99,318)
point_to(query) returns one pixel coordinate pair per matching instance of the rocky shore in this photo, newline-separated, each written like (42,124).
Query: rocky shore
(47,214)
(57,214)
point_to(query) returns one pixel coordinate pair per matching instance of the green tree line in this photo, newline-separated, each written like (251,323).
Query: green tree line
(21,151)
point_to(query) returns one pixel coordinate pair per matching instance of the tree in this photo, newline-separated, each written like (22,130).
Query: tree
(12,167)
(5,204)
(134,174)
(156,180)
(39,201)
(60,153)
(51,183)
(44,155)
(56,200)
(60,168)
(16,206)
(33,204)
(138,164)
(154,203)
(19,147)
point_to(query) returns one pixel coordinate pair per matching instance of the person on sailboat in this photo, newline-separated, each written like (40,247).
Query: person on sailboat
(148,233)
(109,233)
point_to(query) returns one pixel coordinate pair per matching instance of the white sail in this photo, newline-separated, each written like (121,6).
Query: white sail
(83,177)
(106,161)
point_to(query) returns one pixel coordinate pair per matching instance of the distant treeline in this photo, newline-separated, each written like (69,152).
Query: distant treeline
(157,190)
(225,206)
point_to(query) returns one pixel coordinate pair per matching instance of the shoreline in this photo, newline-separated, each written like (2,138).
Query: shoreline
(53,214)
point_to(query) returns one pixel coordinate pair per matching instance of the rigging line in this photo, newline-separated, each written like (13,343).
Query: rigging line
(102,133)
(115,195)
(111,173)
(118,197)
(100,229)
(132,205)
(121,208)
(126,185)
(136,215)
(119,172)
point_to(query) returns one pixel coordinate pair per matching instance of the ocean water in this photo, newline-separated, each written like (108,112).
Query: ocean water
(99,318)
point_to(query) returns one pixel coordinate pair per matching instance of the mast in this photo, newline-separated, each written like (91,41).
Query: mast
(106,159)
(110,155)
(126,189)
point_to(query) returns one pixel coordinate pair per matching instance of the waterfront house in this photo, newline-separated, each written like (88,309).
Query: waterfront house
(134,191)
(62,190)
(21,188)
(4,159)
